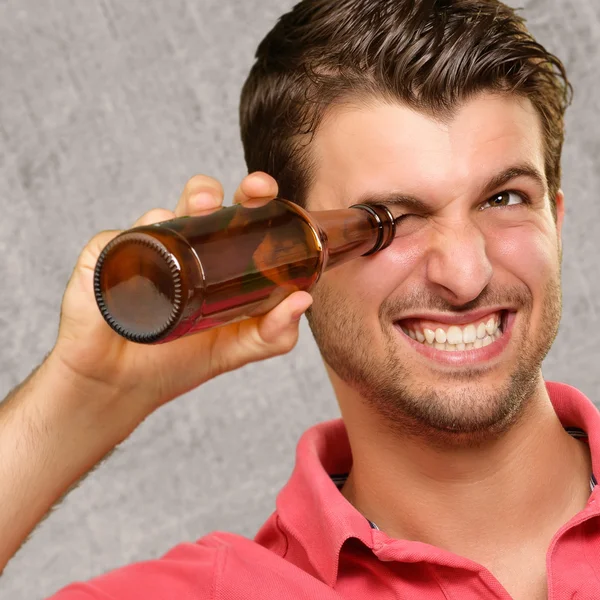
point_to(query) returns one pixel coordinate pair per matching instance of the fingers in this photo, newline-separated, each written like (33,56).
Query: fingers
(88,256)
(256,185)
(86,262)
(201,193)
(283,319)
(258,338)
(274,333)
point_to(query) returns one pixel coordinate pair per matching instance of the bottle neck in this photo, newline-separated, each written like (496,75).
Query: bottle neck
(360,230)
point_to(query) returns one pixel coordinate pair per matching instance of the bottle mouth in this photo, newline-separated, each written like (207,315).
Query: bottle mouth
(386,225)
(138,287)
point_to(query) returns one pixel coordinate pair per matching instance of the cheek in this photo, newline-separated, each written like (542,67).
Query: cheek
(378,276)
(524,252)
(397,268)
(372,279)
(365,283)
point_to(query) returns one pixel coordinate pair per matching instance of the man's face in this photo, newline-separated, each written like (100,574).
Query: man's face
(476,265)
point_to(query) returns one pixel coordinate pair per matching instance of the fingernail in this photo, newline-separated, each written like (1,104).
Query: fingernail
(297,316)
(204,200)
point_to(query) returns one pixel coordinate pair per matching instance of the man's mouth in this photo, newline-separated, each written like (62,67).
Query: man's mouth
(479,333)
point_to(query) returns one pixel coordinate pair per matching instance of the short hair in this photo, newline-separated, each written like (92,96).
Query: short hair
(428,54)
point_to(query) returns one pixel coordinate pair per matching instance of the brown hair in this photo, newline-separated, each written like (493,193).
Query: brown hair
(428,54)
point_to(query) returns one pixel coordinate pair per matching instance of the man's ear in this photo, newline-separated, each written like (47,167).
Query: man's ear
(560,215)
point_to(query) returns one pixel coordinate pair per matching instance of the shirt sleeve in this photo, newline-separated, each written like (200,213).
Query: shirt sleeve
(186,572)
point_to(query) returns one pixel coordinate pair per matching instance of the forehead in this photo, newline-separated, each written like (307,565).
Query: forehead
(385,147)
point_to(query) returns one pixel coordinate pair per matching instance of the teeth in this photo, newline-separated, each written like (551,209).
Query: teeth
(454,335)
(469,334)
(481,331)
(458,338)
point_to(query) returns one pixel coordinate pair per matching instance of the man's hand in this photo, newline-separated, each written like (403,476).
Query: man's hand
(95,387)
(151,375)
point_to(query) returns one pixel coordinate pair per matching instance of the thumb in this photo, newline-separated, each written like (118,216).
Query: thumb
(282,321)
(272,334)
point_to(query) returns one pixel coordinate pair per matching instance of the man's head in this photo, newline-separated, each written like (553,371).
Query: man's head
(452,111)
(430,55)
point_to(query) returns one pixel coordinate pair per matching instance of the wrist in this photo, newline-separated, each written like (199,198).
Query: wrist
(105,411)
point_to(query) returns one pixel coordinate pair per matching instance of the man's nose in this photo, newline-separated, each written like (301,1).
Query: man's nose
(457,262)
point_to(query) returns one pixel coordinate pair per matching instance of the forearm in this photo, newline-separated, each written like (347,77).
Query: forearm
(53,429)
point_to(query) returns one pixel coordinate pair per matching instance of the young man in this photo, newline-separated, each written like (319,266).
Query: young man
(456,472)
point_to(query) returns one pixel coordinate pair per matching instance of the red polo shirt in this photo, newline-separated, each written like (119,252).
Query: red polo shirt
(316,545)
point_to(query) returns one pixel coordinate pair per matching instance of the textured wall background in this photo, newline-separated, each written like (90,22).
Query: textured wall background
(106,109)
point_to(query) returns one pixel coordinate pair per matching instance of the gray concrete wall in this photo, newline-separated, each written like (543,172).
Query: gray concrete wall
(107,107)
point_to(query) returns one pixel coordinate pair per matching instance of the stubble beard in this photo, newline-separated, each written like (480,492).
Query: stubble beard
(455,409)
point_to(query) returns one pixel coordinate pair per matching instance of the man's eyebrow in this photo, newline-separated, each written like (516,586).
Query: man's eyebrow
(412,203)
(522,170)
(396,199)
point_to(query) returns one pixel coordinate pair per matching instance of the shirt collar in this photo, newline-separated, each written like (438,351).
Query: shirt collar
(316,516)
(311,508)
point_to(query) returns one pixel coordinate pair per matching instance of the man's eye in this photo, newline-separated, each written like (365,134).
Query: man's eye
(504,199)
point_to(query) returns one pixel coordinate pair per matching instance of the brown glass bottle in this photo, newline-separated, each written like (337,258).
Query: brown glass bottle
(156,283)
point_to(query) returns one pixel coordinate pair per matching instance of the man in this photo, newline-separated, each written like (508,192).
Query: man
(456,472)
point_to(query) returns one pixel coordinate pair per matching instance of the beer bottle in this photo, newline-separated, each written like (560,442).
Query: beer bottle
(156,283)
